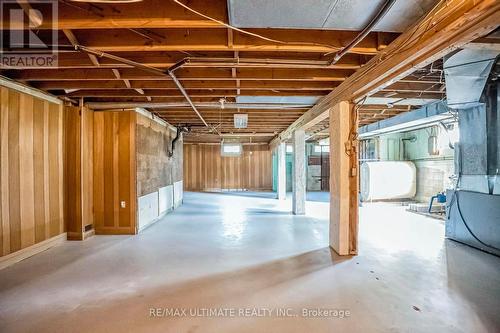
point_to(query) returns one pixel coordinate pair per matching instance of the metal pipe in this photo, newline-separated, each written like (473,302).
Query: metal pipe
(132,63)
(210,105)
(169,72)
(184,93)
(381,13)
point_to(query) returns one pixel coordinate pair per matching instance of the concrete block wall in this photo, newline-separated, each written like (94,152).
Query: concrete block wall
(159,176)
(433,171)
(433,177)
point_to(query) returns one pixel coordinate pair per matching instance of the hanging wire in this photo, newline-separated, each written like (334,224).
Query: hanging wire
(254,34)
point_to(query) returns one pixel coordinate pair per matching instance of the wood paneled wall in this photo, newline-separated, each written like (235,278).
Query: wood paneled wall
(31,170)
(205,169)
(114,172)
(78,172)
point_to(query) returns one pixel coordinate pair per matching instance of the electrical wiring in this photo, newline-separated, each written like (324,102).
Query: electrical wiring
(353,134)
(455,200)
(251,33)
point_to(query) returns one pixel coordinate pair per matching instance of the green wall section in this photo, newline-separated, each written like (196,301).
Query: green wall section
(289,159)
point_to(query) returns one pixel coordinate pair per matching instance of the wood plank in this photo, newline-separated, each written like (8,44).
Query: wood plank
(39,168)
(184,74)
(72,175)
(87,167)
(115,169)
(26,170)
(124,176)
(54,172)
(114,172)
(205,168)
(60,162)
(4,171)
(343,181)
(157,14)
(26,182)
(98,171)
(46,168)
(14,174)
(301,40)
(108,169)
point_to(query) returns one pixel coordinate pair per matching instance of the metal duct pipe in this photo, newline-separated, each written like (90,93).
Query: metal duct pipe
(385,8)
(466,73)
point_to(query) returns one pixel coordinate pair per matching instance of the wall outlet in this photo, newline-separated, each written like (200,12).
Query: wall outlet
(123,204)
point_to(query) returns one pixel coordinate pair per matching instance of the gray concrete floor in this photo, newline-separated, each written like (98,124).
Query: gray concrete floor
(247,251)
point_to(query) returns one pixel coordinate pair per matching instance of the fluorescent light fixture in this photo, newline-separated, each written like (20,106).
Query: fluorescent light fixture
(240,120)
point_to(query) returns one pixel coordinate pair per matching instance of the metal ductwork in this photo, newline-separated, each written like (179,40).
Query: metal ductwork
(466,73)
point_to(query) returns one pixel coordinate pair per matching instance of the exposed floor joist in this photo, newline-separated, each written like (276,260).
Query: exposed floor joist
(226,64)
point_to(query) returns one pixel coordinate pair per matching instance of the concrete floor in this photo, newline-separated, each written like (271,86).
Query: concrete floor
(242,252)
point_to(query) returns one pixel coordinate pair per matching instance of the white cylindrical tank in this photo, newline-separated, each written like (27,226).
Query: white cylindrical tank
(386,180)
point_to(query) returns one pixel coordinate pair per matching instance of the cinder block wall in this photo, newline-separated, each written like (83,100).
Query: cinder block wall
(155,169)
(433,171)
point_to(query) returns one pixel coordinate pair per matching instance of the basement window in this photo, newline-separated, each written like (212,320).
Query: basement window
(321,149)
(231,149)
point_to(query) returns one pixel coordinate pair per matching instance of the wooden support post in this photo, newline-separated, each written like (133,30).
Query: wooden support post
(299,172)
(281,150)
(343,179)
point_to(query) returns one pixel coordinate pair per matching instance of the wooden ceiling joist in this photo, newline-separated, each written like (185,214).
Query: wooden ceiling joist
(225,63)
(75,60)
(208,74)
(156,14)
(211,85)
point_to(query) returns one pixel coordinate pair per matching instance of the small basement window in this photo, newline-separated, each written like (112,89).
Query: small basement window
(321,149)
(231,149)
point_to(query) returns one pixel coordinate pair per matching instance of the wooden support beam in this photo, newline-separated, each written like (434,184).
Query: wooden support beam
(184,74)
(343,179)
(77,60)
(156,14)
(167,93)
(118,76)
(116,73)
(203,40)
(164,84)
(449,25)
(74,41)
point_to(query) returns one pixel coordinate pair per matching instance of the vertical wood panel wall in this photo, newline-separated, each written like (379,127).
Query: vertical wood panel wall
(205,169)
(78,174)
(31,170)
(114,172)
